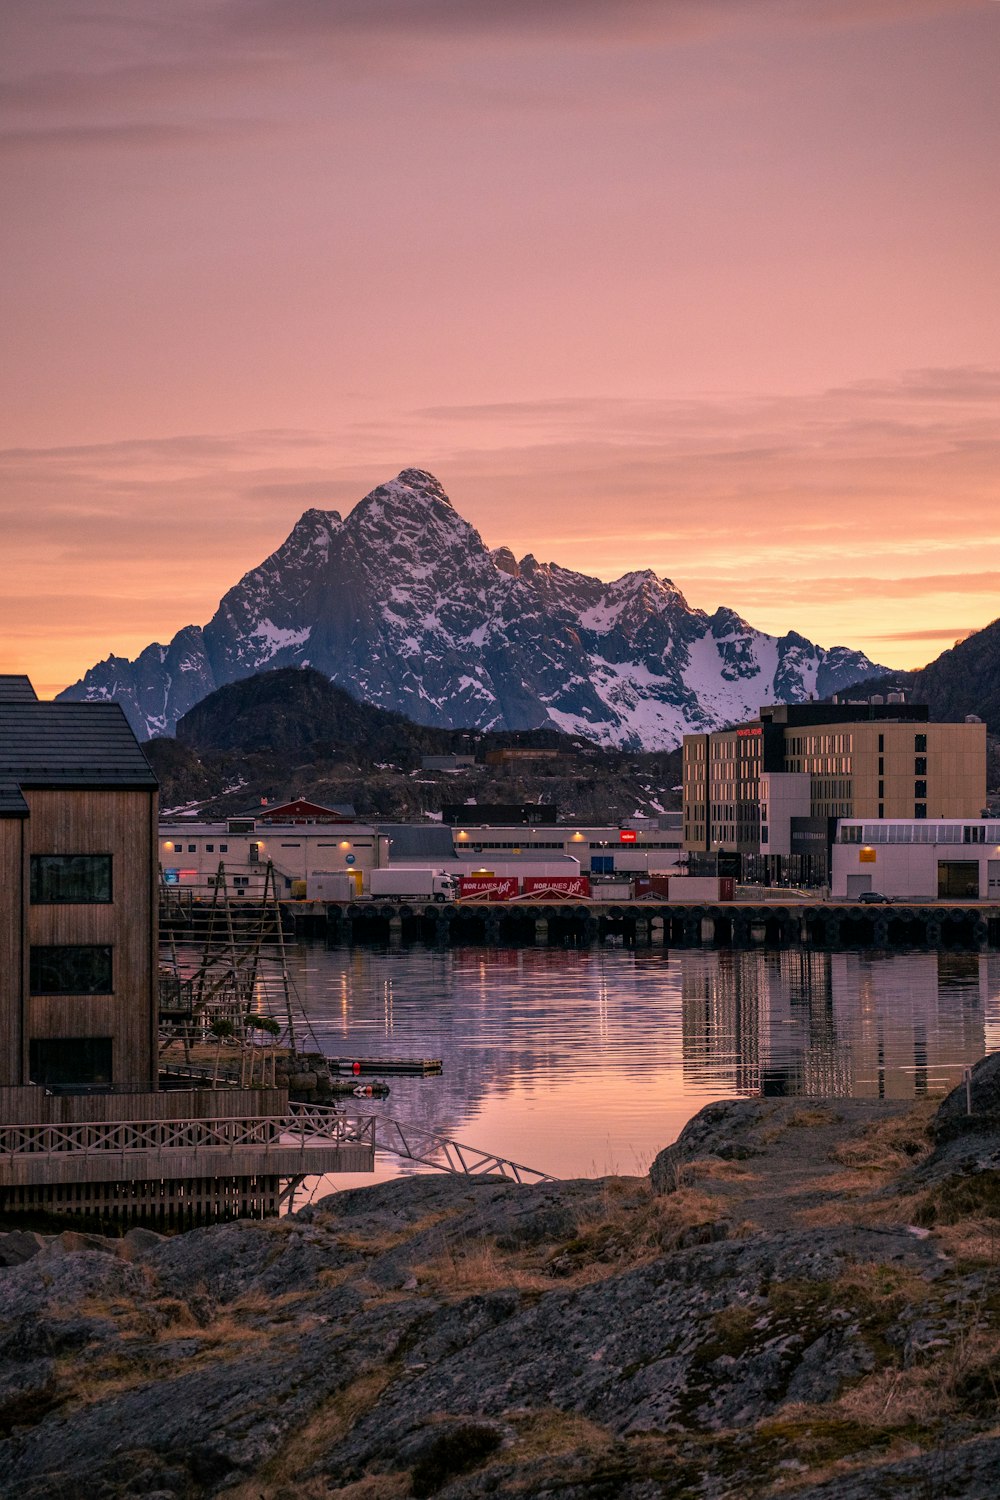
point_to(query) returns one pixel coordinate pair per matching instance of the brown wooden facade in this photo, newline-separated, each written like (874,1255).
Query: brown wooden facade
(121,824)
(79,990)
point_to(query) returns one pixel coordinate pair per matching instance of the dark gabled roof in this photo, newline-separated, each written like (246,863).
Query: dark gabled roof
(69,745)
(16,689)
(412,841)
(12,804)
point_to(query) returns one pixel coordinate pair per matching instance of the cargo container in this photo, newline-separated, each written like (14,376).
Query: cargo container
(403,884)
(488,887)
(612,890)
(327,885)
(699,888)
(556,885)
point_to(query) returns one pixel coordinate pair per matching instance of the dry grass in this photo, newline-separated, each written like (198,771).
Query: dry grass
(372,1487)
(972,1242)
(380,1242)
(712,1169)
(890,1145)
(478,1266)
(546,1432)
(805,1119)
(628,1226)
(279,1478)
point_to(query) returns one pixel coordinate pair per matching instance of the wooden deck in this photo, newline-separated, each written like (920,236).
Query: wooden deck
(306,1141)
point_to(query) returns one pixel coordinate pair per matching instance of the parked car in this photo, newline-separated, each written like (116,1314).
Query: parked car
(874,898)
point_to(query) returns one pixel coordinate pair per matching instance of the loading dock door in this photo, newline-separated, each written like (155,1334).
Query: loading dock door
(856,884)
(958,880)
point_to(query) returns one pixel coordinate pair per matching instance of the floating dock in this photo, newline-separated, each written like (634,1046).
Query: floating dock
(360,1066)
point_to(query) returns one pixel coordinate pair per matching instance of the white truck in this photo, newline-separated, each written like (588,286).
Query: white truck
(401,884)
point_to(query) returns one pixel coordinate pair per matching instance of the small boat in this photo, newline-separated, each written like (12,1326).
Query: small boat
(376,1090)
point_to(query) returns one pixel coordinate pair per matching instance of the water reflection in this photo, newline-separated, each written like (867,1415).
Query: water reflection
(867,1026)
(587,1061)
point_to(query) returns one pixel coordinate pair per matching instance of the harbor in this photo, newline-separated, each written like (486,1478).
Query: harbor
(739,924)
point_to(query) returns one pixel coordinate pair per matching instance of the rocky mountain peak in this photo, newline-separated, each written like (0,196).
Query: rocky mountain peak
(403,605)
(504,559)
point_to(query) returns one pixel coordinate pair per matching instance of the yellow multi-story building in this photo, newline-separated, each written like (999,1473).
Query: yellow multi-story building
(769,790)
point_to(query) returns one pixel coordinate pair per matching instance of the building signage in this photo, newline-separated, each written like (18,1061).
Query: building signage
(487,887)
(745,734)
(349,859)
(866,856)
(171,877)
(627,836)
(557,885)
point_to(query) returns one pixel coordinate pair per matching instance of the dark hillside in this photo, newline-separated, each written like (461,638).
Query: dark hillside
(291,732)
(965,680)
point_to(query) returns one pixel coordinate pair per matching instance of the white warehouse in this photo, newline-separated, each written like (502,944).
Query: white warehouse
(917,859)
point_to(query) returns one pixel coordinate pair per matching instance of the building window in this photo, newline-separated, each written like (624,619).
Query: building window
(920,766)
(602,864)
(881,743)
(223,848)
(920,789)
(192,848)
(209,848)
(70,969)
(920,743)
(70,879)
(71,1062)
(974,833)
(920,809)
(881,809)
(881,788)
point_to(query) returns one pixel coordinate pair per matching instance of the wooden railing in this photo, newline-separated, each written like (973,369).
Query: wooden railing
(304,1126)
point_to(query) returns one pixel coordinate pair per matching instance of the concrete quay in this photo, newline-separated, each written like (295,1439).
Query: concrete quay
(735,924)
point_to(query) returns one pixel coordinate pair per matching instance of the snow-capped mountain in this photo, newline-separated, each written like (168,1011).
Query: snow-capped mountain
(404,605)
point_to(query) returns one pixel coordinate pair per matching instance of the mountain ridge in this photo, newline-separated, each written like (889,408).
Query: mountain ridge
(403,603)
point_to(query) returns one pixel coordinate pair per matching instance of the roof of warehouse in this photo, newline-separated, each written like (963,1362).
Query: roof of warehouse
(409,841)
(16,688)
(67,745)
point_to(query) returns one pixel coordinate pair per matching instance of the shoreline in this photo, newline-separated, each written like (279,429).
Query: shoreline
(802,1299)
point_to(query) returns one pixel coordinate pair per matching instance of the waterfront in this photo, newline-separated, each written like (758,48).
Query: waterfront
(585,1062)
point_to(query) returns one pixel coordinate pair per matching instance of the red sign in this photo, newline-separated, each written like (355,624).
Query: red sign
(557,885)
(744,734)
(627,836)
(488,887)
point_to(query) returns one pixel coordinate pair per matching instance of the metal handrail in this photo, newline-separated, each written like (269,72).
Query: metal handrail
(432,1149)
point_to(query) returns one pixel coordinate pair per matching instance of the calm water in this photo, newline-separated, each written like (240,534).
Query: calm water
(584,1062)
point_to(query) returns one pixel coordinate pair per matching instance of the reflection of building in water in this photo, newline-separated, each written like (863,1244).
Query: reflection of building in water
(915,1020)
(891,1026)
(762,1023)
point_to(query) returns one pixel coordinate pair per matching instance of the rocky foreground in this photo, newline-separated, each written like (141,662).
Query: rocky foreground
(802,1300)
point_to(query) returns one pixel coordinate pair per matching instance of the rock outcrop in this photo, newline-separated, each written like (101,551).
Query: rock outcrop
(784,1310)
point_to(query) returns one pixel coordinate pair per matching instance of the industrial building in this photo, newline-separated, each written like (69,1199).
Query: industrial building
(911,860)
(302,840)
(766,794)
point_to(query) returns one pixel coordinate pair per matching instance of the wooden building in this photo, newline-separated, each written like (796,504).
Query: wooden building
(83,1123)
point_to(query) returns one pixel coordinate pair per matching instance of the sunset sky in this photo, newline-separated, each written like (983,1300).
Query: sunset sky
(707,286)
